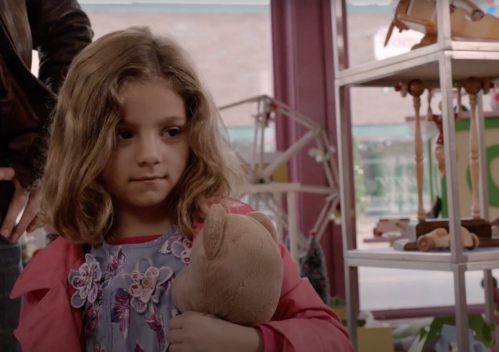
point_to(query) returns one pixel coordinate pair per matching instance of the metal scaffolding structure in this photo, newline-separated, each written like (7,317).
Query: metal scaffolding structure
(259,172)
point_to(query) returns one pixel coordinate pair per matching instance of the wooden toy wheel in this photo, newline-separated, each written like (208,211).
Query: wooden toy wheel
(476,240)
(425,243)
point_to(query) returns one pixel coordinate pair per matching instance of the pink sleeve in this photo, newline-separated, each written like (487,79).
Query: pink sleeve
(302,322)
(272,342)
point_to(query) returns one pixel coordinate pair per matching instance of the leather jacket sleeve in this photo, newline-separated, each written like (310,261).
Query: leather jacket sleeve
(60,30)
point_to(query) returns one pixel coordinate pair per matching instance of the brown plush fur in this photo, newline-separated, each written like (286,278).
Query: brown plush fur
(235,271)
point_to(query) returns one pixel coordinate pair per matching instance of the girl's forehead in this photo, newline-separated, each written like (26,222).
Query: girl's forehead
(152,101)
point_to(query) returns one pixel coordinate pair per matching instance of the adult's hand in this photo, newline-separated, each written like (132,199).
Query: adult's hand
(30,220)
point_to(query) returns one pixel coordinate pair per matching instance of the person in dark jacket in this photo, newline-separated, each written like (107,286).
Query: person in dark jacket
(58,30)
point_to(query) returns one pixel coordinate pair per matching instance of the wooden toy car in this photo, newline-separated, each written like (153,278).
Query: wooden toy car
(391,225)
(440,238)
(468,21)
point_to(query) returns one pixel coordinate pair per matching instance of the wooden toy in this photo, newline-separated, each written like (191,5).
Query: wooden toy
(440,238)
(467,20)
(423,226)
(472,86)
(390,225)
(416,89)
(439,148)
(479,227)
(462,136)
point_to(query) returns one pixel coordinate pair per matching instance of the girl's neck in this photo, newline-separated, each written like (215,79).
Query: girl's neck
(140,222)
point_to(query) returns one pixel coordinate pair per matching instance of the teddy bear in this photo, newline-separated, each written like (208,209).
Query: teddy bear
(235,271)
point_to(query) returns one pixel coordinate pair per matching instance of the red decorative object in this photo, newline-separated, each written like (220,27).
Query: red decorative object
(438,122)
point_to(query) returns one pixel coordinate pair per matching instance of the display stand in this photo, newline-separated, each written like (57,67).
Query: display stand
(445,64)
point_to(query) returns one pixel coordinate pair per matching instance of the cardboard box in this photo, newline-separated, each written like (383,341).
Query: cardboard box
(376,339)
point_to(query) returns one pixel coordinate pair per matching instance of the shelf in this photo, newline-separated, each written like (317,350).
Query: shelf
(468,59)
(478,259)
(454,61)
(284,187)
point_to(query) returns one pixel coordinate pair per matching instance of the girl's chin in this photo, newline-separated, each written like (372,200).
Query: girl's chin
(146,203)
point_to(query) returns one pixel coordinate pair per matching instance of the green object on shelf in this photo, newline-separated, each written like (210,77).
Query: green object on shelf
(411,329)
(337,302)
(420,341)
(483,331)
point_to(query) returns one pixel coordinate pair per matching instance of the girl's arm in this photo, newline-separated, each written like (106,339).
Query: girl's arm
(302,321)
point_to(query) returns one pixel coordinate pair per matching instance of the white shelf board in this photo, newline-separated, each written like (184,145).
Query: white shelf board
(283,187)
(468,59)
(478,259)
(391,254)
(482,255)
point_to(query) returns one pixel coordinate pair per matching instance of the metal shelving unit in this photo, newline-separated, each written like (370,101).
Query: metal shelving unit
(443,63)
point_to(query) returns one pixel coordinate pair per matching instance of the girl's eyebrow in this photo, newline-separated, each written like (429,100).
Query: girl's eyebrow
(162,121)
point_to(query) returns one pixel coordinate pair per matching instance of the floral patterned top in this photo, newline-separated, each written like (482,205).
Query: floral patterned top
(125,292)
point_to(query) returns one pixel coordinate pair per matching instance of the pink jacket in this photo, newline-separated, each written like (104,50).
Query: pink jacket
(302,322)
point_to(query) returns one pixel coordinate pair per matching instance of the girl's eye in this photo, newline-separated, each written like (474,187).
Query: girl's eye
(124,134)
(172,132)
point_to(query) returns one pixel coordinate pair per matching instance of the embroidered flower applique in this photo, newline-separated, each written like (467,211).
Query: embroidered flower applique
(138,348)
(91,317)
(99,347)
(85,281)
(155,322)
(179,246)
(148,286)
(115,263)
(121,311)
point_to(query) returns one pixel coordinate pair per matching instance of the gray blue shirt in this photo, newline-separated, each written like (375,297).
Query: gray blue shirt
(126,293)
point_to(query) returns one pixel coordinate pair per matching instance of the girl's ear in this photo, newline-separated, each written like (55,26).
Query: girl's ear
(266,222)
(213,230)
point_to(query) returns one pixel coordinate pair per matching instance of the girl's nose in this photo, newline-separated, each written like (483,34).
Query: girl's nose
(149,152)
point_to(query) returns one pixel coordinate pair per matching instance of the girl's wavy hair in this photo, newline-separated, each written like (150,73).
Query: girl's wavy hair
(75,202)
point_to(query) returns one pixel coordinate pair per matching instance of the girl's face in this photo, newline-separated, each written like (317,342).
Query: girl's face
(152,147)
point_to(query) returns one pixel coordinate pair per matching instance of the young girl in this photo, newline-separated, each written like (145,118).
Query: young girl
(134,162)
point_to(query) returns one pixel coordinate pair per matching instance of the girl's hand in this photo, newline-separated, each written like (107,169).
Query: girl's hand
(196,332)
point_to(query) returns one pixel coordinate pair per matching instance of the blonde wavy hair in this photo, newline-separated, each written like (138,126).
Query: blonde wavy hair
(75,202)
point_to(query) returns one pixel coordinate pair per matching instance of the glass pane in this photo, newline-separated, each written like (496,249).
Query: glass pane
(230,44)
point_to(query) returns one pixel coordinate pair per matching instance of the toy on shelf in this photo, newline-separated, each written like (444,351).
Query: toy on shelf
(416,89)
(440,238)
(467,21)
(387,226)
(425,224)
(439,148)
(441,335)
(472,86)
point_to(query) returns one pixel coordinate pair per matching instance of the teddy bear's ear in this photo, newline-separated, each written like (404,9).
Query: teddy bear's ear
(213,230)
(266,222)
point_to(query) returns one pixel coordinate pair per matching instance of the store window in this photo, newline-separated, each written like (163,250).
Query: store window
(230,42)
(383,131)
